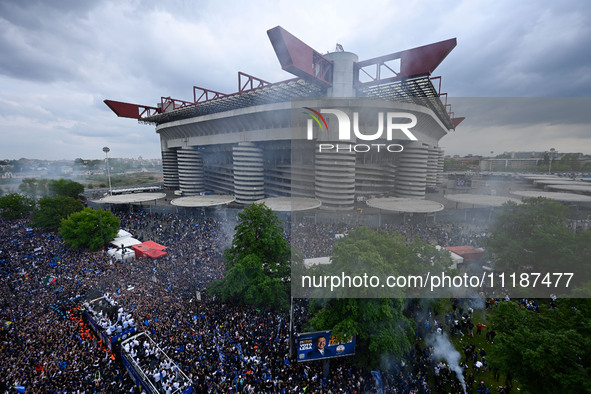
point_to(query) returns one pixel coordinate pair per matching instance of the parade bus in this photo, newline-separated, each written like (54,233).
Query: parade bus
(109,321)
(151,369)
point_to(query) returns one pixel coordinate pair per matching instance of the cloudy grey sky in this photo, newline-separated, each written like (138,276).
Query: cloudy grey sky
(60,59)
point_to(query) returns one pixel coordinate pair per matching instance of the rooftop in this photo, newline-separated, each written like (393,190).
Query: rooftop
(401,76)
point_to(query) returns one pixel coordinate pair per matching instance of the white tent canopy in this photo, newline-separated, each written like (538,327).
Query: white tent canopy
(316,261)
(122,233)
(125,242)
(122,254)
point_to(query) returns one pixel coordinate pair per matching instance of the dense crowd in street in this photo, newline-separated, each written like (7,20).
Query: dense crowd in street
(220,347)
(43,350)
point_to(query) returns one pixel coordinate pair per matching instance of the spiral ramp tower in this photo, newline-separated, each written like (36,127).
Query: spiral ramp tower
(440,161)
(432,166)
(411,173)
(170,168)
(190,167)
(249,173)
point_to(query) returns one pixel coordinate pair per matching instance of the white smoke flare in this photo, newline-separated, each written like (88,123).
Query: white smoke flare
(444,350)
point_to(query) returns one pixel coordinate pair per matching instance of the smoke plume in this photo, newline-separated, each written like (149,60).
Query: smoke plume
(444,350)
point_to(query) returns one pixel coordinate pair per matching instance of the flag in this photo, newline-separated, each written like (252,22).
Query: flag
(378,378)
(49,279)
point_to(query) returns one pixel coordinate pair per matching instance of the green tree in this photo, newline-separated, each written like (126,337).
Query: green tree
(66,187)
(94,164)
(21,165)
(534,236)
(89,228)
(365,252)
(51,210)
(571,162)
(15,206)
(258,263)
(259,233)
(549,351)
(382,329)
(34,187)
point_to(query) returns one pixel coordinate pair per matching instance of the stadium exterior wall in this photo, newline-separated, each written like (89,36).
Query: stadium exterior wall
(266,150)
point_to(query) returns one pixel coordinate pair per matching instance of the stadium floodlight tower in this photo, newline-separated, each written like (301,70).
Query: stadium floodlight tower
(551,156)
(313,135)
(107,150)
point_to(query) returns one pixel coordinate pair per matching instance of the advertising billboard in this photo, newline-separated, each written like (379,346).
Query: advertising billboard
(323,345)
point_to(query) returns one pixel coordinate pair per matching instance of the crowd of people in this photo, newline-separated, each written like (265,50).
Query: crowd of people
(220,347)
(443,233)
(42,350)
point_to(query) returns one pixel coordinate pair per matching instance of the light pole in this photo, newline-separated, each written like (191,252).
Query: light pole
(552,153)
(106,150)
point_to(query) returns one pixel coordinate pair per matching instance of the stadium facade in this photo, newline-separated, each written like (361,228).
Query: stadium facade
(288,138)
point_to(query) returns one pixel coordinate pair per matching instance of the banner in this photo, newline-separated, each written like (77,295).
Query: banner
(322,345)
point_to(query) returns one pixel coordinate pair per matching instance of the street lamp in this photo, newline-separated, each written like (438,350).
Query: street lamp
(551,156)
(107,150)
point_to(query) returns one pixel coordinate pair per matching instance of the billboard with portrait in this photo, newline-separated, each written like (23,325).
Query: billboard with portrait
(322,345)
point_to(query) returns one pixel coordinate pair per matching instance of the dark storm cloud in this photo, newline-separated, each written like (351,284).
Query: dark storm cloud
(523,111)
(520,124)
(42,41)
(521,49)
(25,63)
(35,14)
(60,59)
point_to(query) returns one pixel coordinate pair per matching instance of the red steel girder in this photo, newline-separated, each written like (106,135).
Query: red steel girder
(299,59)
(206,95)
(170,104)
(439,78)
(413,62)
(457,121)
(133,111)
(250,83)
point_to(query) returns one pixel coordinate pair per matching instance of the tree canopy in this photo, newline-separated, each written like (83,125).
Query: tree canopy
(382,329)
(534,236)
(65,187)
(364,252)
(549,350)
(43,187)
(89,228)
(258,263)
(15,206)
(33,187)
(51,210)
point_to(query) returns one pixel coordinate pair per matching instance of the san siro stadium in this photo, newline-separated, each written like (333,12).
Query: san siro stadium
(341,131)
